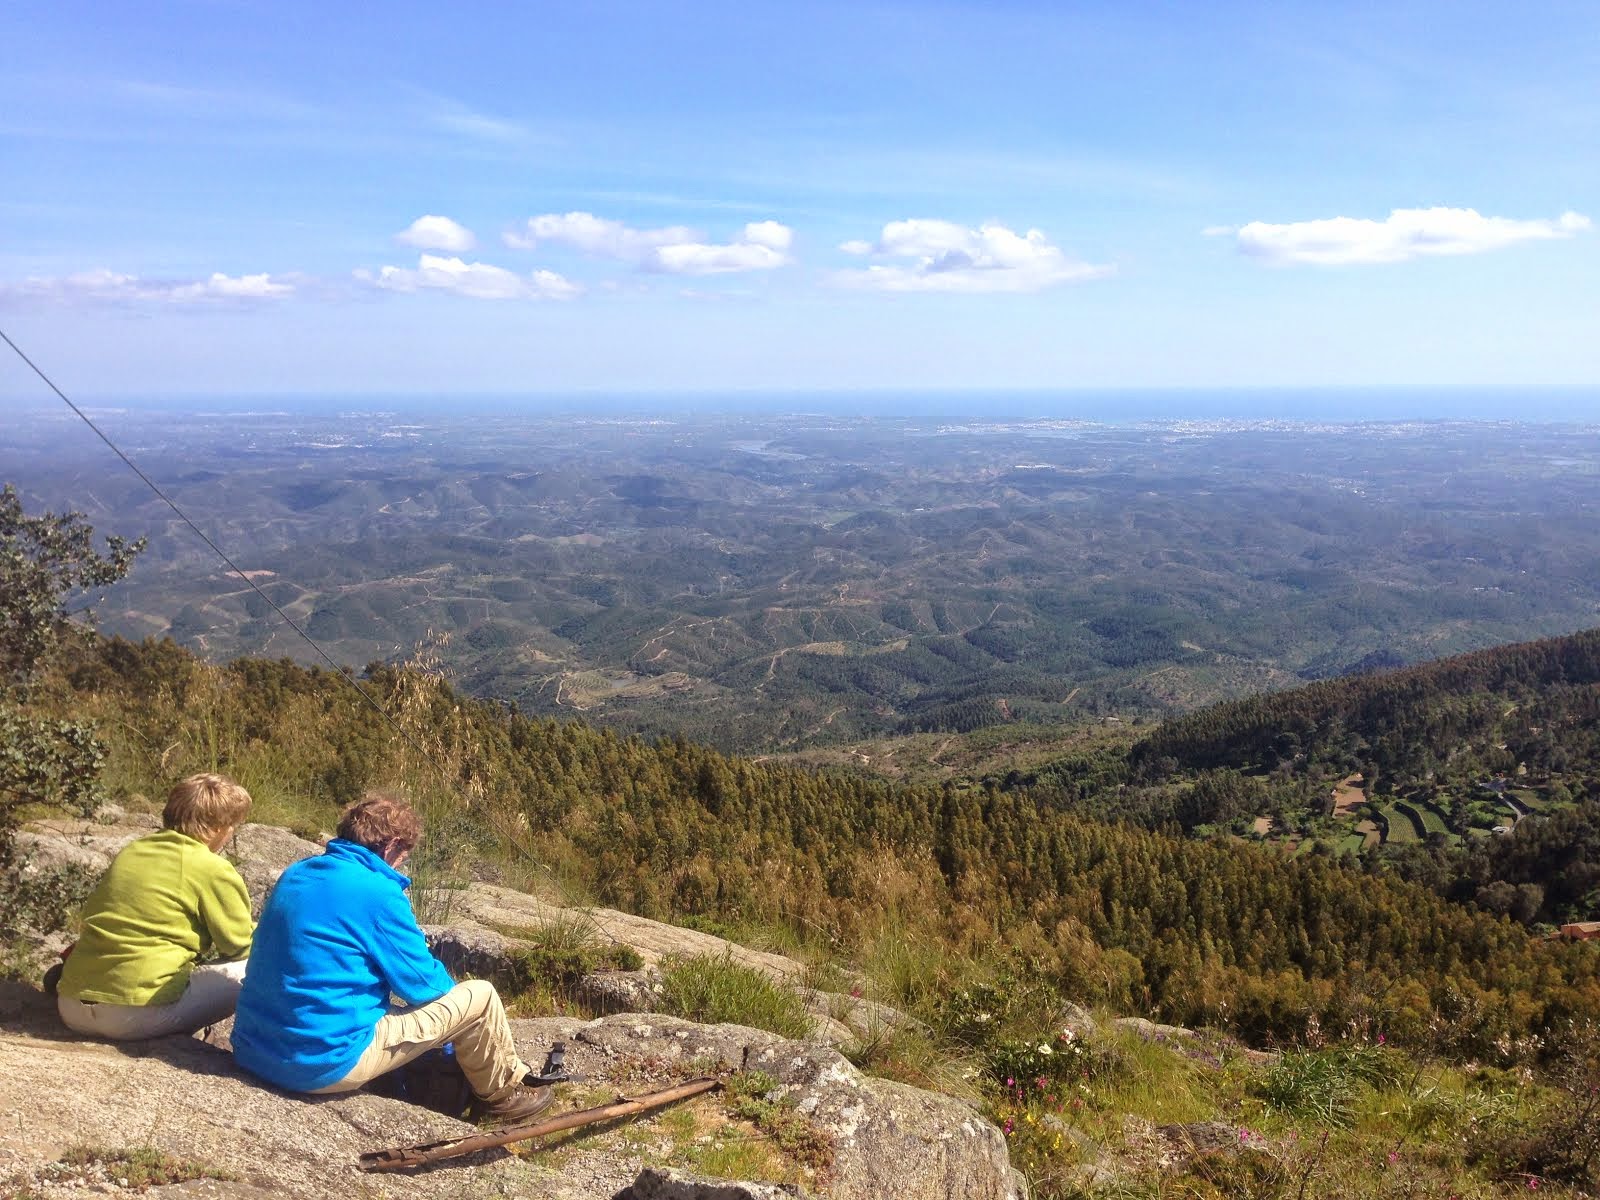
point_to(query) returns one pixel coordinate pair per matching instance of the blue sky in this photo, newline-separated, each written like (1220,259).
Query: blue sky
(230,197)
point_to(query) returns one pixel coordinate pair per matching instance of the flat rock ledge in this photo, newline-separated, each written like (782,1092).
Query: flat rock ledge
(477,933)
(186,1098)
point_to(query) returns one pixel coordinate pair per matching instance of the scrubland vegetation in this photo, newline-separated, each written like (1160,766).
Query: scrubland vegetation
(1430,1044)
(979,910)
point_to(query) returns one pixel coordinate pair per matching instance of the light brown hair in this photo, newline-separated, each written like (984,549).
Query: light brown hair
(379,818)
(203,806)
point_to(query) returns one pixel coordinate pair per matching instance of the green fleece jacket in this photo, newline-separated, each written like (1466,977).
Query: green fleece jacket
(165,901)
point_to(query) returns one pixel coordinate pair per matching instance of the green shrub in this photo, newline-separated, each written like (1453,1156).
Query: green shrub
(713,989)
(33,903)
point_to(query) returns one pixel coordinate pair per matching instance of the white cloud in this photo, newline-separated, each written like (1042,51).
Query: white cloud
(696,258)
(437,233)
(946,257)
(111,287)
(596,235)
(769,234)
(479,281)
(671,250)
(1407,233)
(762,246)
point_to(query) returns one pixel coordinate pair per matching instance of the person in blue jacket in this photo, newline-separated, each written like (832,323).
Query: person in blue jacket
(336,940)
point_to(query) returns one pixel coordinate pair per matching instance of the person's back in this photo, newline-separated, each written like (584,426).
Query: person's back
(164,902)
(337,939)
(167,901)
(313,996)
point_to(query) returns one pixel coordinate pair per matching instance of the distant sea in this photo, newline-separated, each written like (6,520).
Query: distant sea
(1108,405)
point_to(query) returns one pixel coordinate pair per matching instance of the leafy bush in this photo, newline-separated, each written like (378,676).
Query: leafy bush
(44,562)
(1563,1141)
(33,903)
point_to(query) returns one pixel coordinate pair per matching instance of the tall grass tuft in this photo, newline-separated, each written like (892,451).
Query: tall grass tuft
(1322,1085)
(714,989)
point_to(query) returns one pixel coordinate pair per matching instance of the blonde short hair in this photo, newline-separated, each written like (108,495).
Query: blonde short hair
(379,818)
(204,805)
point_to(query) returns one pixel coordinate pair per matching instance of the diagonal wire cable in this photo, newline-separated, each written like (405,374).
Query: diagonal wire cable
(288,620)
(216,549)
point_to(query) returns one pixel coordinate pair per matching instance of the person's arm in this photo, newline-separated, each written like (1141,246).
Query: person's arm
(401,952)
(225,909)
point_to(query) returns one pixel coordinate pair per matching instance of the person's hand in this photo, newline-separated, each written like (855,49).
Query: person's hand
(396,852)
(220,839)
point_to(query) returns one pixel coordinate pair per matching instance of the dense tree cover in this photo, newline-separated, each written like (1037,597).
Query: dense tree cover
(1434,739)
(1406,722)
(1199,932)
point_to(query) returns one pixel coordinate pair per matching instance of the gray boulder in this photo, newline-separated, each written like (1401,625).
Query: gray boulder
(261,852)
(889,1140)
(622,991)
(49,853)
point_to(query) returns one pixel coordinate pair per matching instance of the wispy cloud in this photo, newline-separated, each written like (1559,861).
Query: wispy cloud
(670,250)
(943,256)
(454,117)
(209,101)
(1406,233)
(110,287)
(436,233)
(476,280)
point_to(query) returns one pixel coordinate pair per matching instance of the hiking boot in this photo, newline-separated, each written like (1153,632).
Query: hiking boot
(523,1104)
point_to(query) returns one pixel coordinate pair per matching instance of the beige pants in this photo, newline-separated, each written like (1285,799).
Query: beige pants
(469,1015)
(212,993)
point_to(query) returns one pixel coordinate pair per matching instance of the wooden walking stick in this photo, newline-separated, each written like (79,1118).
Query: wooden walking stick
(401,1157)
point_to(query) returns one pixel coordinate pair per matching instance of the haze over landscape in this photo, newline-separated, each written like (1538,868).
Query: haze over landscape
(1056,517)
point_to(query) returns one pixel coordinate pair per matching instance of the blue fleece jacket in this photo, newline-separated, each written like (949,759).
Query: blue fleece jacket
(336,938)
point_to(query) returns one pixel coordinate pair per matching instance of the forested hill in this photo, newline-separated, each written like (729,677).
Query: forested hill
(1406,721)
(1478,776)
(1219,932)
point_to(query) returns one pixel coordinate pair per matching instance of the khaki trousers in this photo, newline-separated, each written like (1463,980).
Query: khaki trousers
(471,1016)
(211,996)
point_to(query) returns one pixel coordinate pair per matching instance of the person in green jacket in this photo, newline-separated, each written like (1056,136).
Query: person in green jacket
(167,900)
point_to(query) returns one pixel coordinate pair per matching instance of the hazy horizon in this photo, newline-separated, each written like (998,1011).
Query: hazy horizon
(1107,405)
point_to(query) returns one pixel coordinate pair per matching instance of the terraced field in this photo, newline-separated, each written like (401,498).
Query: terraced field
(1403,825)
(1425,817)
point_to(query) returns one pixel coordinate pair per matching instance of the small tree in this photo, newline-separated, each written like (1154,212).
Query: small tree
(46,563)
